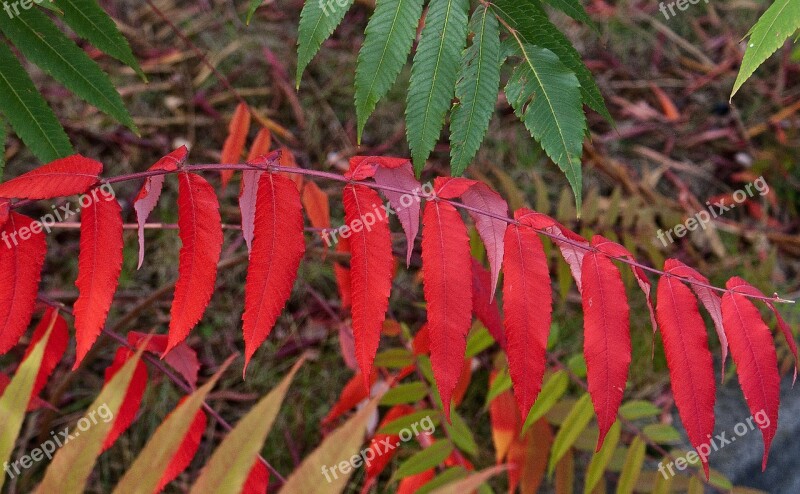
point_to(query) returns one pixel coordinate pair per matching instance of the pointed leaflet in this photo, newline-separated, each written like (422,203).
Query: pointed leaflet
(248,193)
(546,96)
(187,449)
(181,358)
(370,269)
(476,90)
(380,458)
(148,195)
(278,247)
(53,352)
(433,76)
(753,351)
(133,395)
(315,202)
(527,304)
(448,292)
(62,177)
(483,306)
(691,367)
(257,480)
(711,301)
(352,394)
(505,421)
(388,39)
(395,173)
(99,267)
(607,339)
(201,235)
(234,143)
(318,20)
(21,264)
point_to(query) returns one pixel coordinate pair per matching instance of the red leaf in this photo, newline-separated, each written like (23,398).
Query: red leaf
(261,145)
(505,421)
(347,346)
(395,173)
(148,195)
(711,301)
(248,195)
(99,267)
(234,143)
(201,235)
(133,396)
(380,455)
(257,480)
(528,305)
(342,274)
(21,261)
(607,339)
(181,358)
(370,270)
(491,228)
(691,368)
(5,209)
(753,351)
(53,352)
(448,292)
(483,305)
(422,341)
(413,483)
(352,394)
(278,247)
(186,451)
(315,202)
(63,177)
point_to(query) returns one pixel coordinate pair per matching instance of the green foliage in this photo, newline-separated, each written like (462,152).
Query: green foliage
(779,22)
(317,22)
(577,420)
(425,459)
(574,9)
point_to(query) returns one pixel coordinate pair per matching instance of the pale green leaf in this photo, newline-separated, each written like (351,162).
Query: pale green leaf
(433,76)
(501,383)
(479,340)
(92,23)
(405,393)
(394,358)
(227,470)
(407,421)
(601,458)
(388,38)
(551,392)
(74,462)
(27,112)
(15,398)
(476,91)
(662,434)
(40,41)
(251,10)
(780,20)
(545,95)
(638,409)
(420,461)
(318,20)
(462,435)
(576,421)
(632,467)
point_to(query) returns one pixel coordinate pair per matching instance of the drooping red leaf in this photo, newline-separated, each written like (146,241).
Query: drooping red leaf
(187,449)
(352,394)
(483,305)
(148,195)
(200,230)
(394,173)
(753,351)
(492,227)
(607,339)
(413,483)
(63,177)
(573,247)
(278,247)
(380,456)
(53,352)
(99,267)
(464,380)
(370,269)
(248,194)
(315,202)
(527,305)
(448,292)
(260,146)
(342,274)
(257,480)
(422,341)
(22,253)
(182,358)
(5,208)
(691,367)
(347,345)
(234,143)
(133,395)
(505,421)
(710,300)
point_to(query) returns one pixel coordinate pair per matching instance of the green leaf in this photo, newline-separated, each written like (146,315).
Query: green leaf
(92,23)
(545,95)
(576,421)
(476,91)
(227,470)
(780,20)
(662,434)
(632,467)
(638,409)
(318,20)
(40,41)
(27,112)
(479,340)
(406,421)
(394,358)
(429,457)
(389,36)
(14,400)
(433,76)
(449,475)
(251,10)
(502,382)
(405,393)
(574,9)
(551,392)
(530,21)
(601,458)
(461,435)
